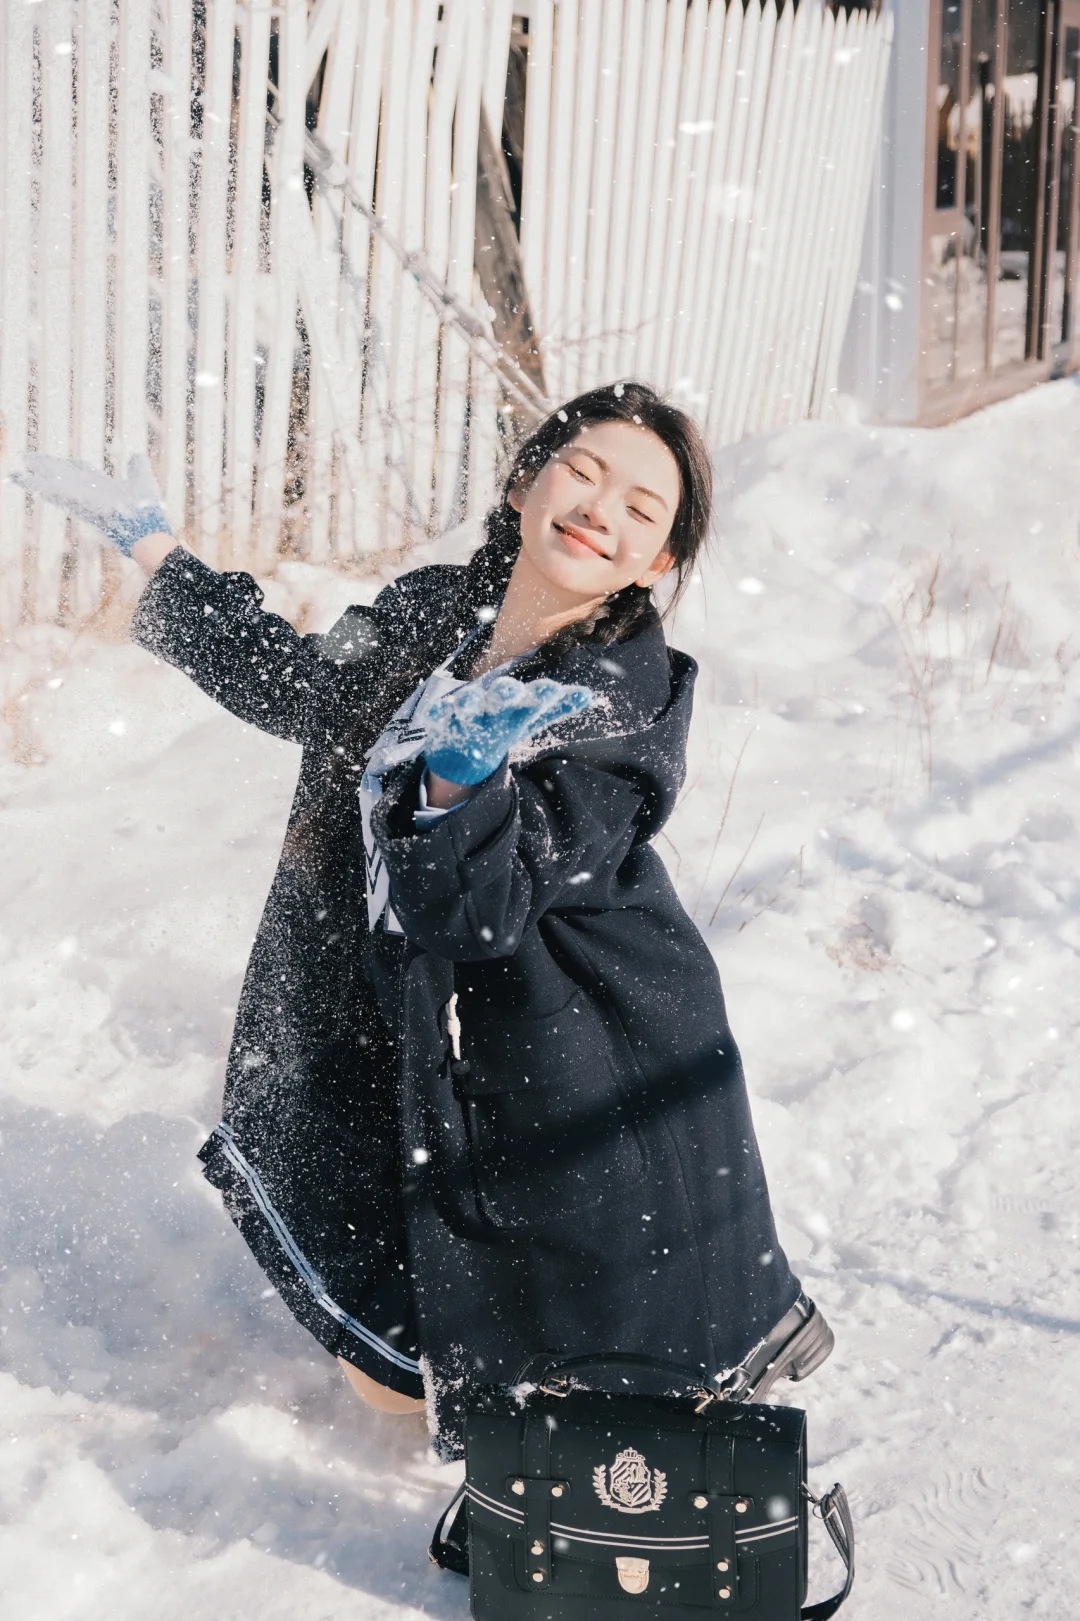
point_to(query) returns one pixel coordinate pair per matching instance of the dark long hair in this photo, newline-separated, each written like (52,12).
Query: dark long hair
(623,612)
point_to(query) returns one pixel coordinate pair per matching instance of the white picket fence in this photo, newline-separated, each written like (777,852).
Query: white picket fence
(694,185)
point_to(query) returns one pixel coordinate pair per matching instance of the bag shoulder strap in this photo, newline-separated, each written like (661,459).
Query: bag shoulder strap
(449,1550)
(836,1514)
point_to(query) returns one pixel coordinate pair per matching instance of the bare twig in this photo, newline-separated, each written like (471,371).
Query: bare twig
(998,632)
(723,820)
(738,869)
(781,883)
(476,329)
(931,592)
(755,915)
(678,855)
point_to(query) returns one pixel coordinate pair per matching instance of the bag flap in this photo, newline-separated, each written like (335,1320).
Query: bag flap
(633,1477)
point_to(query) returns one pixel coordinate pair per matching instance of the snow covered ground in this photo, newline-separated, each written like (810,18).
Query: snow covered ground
(889,710)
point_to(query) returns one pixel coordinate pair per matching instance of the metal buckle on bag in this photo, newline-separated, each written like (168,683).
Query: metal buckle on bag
(552,1387)
(633,1574)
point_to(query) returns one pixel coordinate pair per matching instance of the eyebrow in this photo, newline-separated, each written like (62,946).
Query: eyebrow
(602,464)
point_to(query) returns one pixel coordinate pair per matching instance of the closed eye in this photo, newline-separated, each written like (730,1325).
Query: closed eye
(645,517)
(579,474)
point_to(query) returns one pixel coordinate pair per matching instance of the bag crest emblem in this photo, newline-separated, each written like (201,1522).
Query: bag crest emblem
(630,1486)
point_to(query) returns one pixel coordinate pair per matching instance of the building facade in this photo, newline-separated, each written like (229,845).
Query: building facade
(970,278)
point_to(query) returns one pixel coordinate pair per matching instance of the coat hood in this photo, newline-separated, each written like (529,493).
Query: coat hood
(637,728)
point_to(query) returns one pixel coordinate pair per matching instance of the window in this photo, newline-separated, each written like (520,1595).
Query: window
(1014,323)
(1065,259)
(987,216)
(948,104)
(977,168)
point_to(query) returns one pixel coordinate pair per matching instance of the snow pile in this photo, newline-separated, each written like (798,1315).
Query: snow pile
(878,837)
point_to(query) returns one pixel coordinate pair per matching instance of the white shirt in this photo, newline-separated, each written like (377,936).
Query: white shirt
(401,739)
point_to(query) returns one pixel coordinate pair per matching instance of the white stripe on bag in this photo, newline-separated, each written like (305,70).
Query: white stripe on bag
(574,1533)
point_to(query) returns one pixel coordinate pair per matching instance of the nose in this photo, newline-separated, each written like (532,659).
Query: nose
(593,509)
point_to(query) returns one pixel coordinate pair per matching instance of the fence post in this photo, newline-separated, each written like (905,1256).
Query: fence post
(692,301)
(16,124)
(660,201)
(330,463)
(453,407)
(355,531)
(90,356)
(52,327)
(776,243)
(245,272)
(210,378)
(287,174)
(176,256)
(626,356)
(132,231)
(596,308)
(534,170)
(440,205)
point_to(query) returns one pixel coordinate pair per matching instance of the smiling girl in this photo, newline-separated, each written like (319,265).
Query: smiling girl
(483,1099)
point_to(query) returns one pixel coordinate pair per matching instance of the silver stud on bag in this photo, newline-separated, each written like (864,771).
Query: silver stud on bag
(721,1564)
(741,1506)
(518,1487)
(556,1491)
(701,1502)
(538,1575)
(537,1547)
(725,1592)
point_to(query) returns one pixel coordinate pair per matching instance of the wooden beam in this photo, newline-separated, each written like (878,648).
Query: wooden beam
(498,259)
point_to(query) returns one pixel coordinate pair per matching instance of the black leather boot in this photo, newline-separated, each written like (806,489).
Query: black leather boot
(799,1343)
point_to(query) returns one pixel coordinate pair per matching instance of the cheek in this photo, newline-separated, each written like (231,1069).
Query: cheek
(541,497)
(640,551)
(555,485)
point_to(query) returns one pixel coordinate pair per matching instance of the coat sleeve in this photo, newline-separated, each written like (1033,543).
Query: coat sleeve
(468,887)
(212,626)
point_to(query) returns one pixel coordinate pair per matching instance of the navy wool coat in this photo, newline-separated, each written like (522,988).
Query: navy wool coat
(587,1179)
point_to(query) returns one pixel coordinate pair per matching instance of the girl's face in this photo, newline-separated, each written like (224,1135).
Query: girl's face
(598,514)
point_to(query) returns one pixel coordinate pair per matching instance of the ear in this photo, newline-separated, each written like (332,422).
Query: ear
(656,570)
(515,495)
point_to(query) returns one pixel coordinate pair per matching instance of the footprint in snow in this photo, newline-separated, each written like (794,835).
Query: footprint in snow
(950,1522)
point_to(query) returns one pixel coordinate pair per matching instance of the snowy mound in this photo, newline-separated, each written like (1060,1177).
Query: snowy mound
(878,838)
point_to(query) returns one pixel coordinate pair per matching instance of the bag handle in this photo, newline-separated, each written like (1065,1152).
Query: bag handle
(836,1514)
(548,1366)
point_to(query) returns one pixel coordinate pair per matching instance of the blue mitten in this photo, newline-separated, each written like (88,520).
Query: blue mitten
(470,731)
(124,509)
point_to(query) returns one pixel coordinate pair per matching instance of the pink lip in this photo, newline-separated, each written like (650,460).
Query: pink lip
(580,541)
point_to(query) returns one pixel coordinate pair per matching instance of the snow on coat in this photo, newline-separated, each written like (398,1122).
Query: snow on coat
(587,1178)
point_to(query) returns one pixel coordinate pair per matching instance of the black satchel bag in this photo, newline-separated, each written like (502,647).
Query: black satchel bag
(587,1504)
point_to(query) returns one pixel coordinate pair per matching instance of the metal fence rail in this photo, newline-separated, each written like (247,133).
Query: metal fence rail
(242,235)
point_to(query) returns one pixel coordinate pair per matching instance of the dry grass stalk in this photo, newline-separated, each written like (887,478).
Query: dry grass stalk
(723,822)
(738,868)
